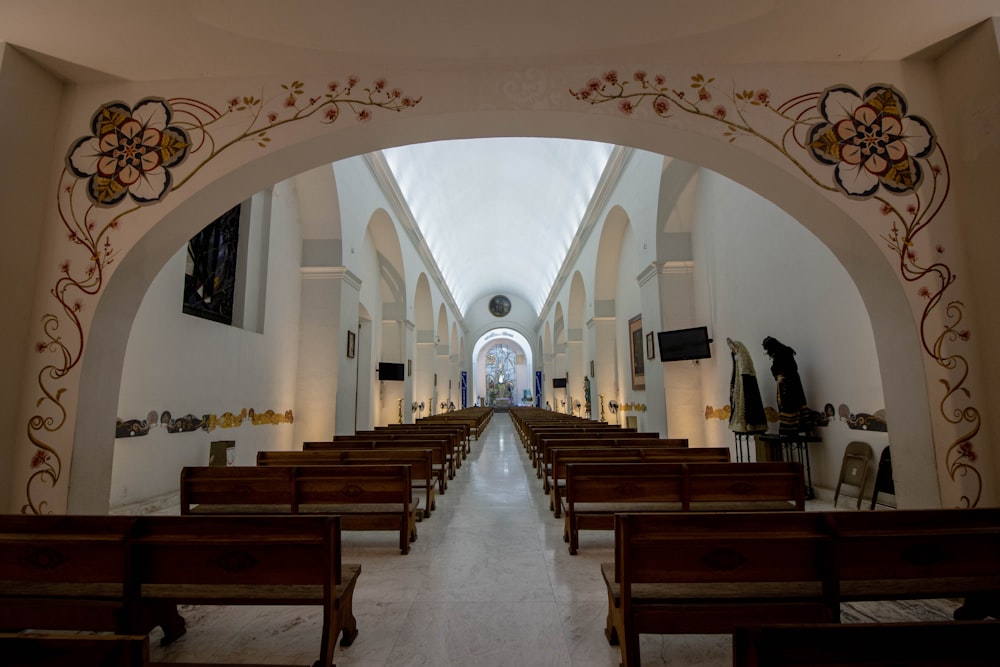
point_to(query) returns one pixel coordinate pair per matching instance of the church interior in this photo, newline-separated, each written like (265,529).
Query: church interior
(241,227)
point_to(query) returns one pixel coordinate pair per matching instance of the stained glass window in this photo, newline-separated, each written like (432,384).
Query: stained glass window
(210,273)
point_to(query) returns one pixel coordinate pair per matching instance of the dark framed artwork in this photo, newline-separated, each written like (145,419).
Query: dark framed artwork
(351,343)
(650,346)
(409,367)
(210,271)
(638,364)
(591,368)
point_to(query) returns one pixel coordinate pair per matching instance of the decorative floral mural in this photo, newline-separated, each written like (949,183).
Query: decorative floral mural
(863,145)
(135,156)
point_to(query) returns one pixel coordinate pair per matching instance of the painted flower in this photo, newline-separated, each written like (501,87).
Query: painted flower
(130,152)
(871,140)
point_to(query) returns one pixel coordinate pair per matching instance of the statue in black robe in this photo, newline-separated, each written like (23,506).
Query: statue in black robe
(794,415)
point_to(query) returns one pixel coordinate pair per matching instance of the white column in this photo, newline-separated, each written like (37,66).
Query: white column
(326,380)
(684,399)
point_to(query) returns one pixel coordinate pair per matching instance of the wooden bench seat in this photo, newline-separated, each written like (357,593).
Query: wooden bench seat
(595,492)
(663,561)
(915,554)
(366,497)
(607,437)
(710,573)
(409,432)
(563,456)
(64,573)
(133,572)
(920,644)
(443,447)
(250,560)
(423,472)
(461,432)
(34,649)
(543,469)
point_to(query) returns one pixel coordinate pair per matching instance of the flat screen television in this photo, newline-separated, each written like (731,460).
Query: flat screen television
(682,344)
(558,383)
(388,371)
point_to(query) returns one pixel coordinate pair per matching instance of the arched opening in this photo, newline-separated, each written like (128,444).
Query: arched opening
(502,363)
(897,339)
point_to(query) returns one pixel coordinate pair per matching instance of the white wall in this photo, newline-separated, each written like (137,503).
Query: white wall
(185,364)
(759,273)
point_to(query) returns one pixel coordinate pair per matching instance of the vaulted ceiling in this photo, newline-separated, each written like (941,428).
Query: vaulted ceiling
(498,215)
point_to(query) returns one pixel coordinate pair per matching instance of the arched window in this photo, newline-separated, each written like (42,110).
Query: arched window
(501,374)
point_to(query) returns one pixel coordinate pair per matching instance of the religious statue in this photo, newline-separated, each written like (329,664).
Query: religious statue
(746,407)
(794,415)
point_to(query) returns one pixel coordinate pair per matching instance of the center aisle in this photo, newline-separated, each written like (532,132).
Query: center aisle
(489,582)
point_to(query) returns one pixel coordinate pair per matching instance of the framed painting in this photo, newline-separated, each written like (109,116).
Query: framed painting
(350,344)
(650,346)
(638,364)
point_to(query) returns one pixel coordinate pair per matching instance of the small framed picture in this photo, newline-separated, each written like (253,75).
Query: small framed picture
(591,368)
(409,367)
(650,346)
(635,351)
(350,344)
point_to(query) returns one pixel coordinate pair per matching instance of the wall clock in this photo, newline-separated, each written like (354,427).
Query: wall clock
(499,305)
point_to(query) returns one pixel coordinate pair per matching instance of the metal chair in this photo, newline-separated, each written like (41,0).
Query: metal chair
(854,469)
(883,479)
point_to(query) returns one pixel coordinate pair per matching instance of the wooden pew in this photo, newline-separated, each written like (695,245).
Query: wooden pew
(917,554)
(686,573)
(446,447)
(58,650)
(476,418)
(64,573)
(250,560)
(423,473)
(611,437)
(562,457)
(366,497)
(924,644)
(595,492)
(461,431)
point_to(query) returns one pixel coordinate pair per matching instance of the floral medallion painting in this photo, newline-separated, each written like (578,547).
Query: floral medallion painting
(135,156)
(865,145)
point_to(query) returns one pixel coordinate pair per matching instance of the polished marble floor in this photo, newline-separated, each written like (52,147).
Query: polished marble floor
(489,582)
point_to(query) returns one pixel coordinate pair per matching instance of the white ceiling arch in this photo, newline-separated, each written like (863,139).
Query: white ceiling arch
(499,215)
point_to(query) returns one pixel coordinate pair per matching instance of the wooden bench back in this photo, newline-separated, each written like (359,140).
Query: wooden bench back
(237,485)
(919,644)
(215,552)
(724,548)
(353,484)
(778,482)
(421,460)
(59,650)
(714,572)
(631,482)
(559,454)
(917,553)
(61,572)
(442,450)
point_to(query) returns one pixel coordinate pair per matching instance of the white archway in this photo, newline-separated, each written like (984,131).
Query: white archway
(170,224)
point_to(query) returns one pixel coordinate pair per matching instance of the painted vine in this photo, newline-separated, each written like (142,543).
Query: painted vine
(868,148)
(135,156)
